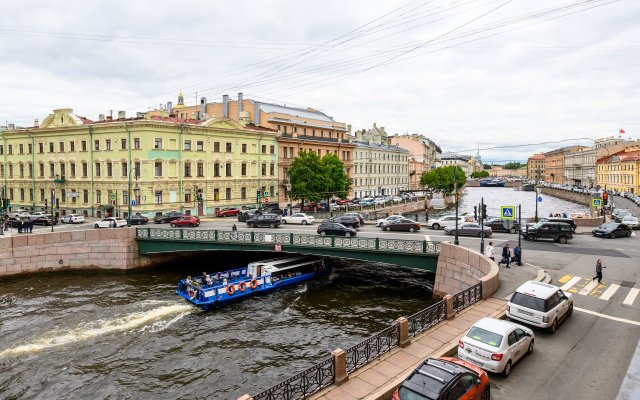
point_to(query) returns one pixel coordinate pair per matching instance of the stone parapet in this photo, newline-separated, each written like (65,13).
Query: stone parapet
(460,268)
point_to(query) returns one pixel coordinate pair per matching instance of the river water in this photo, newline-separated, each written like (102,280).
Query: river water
(126,335)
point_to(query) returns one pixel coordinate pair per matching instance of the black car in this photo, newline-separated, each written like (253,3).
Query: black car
(265,220)
(44,220)
(612,230)
(167,217)
(402,224)
(360,217)
(351,221)
(138,220)
(502,225)
(334,228)
(569,221)
(14,221)
(247,215)
(620,215)
(558,231)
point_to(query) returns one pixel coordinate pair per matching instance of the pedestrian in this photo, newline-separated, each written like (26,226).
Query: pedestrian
(234,231)
(31,226)
(20,225)
(490,252)
(598,271)
(517,254)
(506,255)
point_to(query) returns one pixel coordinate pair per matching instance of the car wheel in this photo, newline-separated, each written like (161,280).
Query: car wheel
(530,349)
(435,226)
(486,395)
(284,221)
(530,238)
(347,234)
(612,235)
(628,234)
(482,234)
(191,225)
(304,222)
(96,226)
(570,312)
(323,233)
(512,230)
(412,229)
(272,225)
(388,228)
(554,326)
(562,239)
(507,369)
(251,225)
(172,225)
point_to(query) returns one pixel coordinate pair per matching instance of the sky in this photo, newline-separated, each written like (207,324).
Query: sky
(469,74)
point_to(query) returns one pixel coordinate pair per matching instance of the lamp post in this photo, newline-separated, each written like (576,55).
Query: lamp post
(129,197)
(536,192)
(455,192)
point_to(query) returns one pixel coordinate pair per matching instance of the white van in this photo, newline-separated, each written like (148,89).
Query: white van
(540,304)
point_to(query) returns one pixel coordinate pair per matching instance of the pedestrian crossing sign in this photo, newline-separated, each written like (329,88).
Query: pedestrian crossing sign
(508,212)
(596,202)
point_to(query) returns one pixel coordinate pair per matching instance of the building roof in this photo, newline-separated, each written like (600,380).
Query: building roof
(539,156)
(298,112)
(621,156)
(381,147)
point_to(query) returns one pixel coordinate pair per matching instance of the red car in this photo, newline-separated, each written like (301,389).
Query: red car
(227,212)
(186,220)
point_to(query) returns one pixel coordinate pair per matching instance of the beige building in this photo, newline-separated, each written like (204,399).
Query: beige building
(535,167)
(620,171)
(554,163)
(468,164)
(380,169)
(424,155)
(497,171)
(580,166)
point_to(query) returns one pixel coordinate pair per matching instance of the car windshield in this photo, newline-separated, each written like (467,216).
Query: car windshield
(609,225)
(533,303)
(484,336)
(407,394)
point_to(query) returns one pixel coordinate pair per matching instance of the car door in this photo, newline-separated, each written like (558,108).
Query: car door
(562,304)
(463,389)
(512,349)
(522,342)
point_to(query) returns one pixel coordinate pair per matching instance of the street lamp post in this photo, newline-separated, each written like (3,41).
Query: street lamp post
(129,197)
(536,192)
(455,192)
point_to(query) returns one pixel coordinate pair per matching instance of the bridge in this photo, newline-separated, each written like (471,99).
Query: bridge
(421,254)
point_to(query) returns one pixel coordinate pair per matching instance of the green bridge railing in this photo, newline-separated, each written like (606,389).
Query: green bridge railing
(291,239)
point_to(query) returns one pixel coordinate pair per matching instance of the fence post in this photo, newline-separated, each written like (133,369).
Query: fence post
(424,246)
(181,233)
(333,241)
(252,237)
(340,375)
(291,238)
(377,243)
(448,301)
(149,232)
(215,235)
(403,324)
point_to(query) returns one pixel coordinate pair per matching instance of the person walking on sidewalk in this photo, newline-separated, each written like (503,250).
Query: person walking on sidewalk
(506,255)
(234,232)
(517,253)
(489,252)
(598,271)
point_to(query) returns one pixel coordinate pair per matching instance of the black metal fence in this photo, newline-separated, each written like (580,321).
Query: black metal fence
(467,297)
(372,347)
(425,319)
(303,384)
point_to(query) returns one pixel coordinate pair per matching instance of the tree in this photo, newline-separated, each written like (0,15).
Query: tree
(479,174)
(486,166)
(442,178)
(338,181)
(513,165)
(307,178)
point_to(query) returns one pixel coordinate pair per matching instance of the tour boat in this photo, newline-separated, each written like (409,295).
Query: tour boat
(491,183)
(257,277)
(529,187)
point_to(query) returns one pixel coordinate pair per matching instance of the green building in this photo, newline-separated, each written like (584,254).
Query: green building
(157,163)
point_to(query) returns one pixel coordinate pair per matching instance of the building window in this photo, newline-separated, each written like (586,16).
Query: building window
(21,168)
(228,194)
(21,194)
(109,169)
(272,169)
(30,168)
(84,169)
(96,144)
(41,194)
(158,196)
(11,194)
(30,148)
(52,170)
(272,191)
(107,144)
(216,194)
(272,149)
(137,169)
(63,195)
(41,171)
(85,196)
(200,145)
(227,169)
(187,145)
(72,146)
(264,169)
(123,144)
(62,170)
(187,170)
(200,170)
(98,196)
(244,169)
(11,149)
(243,193)
(244,148)
(263,148)
(284,152)
(1,149)
(158,169)
(61,146)
(136,143)
(157,144)
(216,147)
(11,170)
(72,167)
(97,172)
(228,148)
(83,146)
(21,148)
(216,169)
(125,169)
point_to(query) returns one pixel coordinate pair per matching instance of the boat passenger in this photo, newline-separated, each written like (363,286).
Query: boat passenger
(207,279)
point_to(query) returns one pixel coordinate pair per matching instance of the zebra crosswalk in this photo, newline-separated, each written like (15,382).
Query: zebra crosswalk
(604,291)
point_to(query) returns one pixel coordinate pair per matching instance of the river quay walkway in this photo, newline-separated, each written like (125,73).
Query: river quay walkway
(379,378)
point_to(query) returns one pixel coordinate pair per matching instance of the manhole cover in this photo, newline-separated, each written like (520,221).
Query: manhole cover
(627,284)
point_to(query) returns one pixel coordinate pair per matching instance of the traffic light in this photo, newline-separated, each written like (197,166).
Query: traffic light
(484,211)
(258,194)
(605,198)
(475,212)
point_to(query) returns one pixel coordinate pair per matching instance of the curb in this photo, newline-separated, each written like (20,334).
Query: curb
(542,275)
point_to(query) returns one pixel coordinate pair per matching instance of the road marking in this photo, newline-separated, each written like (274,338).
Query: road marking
(627,321)
(611,290)
(571,282)
(587,289)
(565,278)
(427,238)
(631,296)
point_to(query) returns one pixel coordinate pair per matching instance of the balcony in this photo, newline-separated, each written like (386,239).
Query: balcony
(59,179)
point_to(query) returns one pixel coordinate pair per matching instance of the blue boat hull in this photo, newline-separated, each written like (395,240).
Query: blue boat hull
(491,183)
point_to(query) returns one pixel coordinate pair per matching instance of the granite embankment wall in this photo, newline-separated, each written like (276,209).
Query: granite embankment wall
(82,249)
(460,268)
(579,198)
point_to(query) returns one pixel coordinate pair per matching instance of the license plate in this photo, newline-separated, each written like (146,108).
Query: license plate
(526,313)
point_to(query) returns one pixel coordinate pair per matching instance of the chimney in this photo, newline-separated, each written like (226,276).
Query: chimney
(240,98)
(139,114)
(101,117)
(169,107)
(121,115)
(203,105)
(225,106)
(256,113)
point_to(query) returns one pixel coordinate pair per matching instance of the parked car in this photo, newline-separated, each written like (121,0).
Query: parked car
(557,231)
(540,304)
(447,220)
(620,215)
(185,220)
(495,345)
(380,221)
(334,228)
(138,220)
(247,214)
(39,214)
(44,220)
(403,224)
(469,229)
(264,220)
(360,217)
(612,230)
(73,219)
(631,221)
(445,378)
(20,213)
(298,218)
(227,212)
(15,221)
(110,222)
(167,217)
(569,221)
(351,221)
(502,225)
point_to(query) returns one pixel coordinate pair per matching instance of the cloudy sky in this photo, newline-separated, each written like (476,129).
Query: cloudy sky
(467,73)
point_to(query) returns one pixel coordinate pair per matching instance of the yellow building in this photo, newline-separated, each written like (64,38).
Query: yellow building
(620,171)
(87,165)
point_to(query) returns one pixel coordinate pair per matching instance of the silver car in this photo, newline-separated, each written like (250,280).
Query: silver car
(469,229)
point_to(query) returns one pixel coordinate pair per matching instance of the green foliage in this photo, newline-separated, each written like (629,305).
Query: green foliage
(442,178)
(513,165)
(480,174)
(486,166)
(313,178)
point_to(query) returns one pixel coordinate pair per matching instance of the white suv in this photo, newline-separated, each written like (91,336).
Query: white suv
(447,220)
(540,304)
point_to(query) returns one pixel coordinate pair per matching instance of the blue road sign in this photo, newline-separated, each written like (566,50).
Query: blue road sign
(539,199)
(133,202)
(508,212)
(596,202)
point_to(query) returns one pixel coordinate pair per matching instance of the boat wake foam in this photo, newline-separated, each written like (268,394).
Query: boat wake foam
(153,320)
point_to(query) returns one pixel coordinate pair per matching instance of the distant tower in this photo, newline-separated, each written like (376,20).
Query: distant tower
(181,99)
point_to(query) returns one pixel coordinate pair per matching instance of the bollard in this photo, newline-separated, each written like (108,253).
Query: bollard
(339,366)
(404,340)
(448,301)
